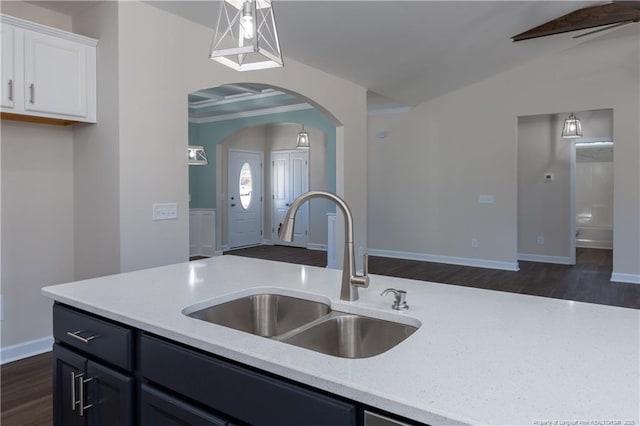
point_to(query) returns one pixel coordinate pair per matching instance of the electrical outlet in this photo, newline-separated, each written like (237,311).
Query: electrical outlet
(475,243)
(540,239)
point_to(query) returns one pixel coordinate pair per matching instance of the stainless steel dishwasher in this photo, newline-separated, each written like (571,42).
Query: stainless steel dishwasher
(373,419)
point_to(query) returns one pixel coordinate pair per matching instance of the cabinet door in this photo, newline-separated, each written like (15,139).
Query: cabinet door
(110,396)
(67,368)
(55,75)
(160,409)
(7,88)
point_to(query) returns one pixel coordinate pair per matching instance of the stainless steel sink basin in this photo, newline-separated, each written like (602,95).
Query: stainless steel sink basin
(265,315)
(351,336)
(307,324)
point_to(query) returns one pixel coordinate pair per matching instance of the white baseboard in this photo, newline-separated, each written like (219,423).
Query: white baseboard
(560,260)
(314,246)
(267,242)
(218,253)
(25,350)
(605,245)
(625,278)
(464,261)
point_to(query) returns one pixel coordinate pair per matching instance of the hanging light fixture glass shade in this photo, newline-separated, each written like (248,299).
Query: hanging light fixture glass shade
(246,37)
(303,139)
(196,156)
(572,127)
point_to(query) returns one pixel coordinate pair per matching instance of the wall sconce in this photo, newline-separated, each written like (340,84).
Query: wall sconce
(246,37)
(196,156)
(572,128)
(303,139)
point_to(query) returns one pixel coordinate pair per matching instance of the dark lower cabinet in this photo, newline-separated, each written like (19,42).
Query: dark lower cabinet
(160,409)
(243,394)
(68,368)
(150,381)
(87,393)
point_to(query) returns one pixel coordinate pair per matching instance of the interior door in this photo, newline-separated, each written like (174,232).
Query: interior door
(244,198)
(289,179)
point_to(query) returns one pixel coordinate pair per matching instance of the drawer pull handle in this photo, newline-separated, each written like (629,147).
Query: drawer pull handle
(32,90)
(11,90)
(76,335)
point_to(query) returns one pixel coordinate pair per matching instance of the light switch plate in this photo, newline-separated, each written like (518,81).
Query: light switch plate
(486,199)
(164,211)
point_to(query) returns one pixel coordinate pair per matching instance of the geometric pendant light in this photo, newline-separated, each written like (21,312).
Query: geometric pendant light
(196,156)
(303,141)
(572,128)
(246,37)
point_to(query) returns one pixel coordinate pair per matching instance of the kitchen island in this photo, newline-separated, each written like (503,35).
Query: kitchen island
(478,357)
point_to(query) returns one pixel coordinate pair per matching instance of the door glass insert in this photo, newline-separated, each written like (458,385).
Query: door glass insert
(246,185)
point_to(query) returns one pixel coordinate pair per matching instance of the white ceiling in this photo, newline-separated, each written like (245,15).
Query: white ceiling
(406,52)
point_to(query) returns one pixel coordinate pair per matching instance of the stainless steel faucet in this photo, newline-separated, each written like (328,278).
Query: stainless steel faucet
(350,278)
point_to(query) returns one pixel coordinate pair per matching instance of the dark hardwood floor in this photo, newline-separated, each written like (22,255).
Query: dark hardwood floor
(26,384)
(26,392)
(587,281)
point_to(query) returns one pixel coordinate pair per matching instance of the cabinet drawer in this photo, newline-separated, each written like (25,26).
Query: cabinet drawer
(160,409)
(107,341)
(241,393)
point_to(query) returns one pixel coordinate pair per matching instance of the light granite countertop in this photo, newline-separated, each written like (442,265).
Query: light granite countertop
(479,356)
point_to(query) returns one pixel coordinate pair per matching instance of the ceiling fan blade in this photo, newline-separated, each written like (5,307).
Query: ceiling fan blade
(621,24)
(586,18)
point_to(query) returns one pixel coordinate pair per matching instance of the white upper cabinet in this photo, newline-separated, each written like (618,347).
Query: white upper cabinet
(55,75)
(8,67)
(52,72)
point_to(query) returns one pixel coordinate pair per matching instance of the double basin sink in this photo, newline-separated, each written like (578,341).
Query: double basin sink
(307,324)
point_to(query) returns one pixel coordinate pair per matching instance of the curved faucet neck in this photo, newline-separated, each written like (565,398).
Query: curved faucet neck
(350,279)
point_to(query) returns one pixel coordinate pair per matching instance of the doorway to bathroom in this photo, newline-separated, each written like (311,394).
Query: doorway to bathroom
(593,182)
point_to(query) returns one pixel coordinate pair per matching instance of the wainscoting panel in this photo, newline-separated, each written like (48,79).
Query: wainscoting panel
(202,232)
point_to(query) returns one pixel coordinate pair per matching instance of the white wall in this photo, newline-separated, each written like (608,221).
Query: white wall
(281,136)
(37,213)
(37,225)
(96,155)
(544,207)
(34,13)
(426,175)
(162,58)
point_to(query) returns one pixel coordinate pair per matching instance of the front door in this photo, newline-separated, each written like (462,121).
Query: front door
(244,198)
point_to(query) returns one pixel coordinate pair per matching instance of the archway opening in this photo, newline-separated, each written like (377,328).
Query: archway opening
(265,120)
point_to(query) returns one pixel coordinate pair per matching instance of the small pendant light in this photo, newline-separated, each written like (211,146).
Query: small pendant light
(572,127)
(303,139)
(196,156)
